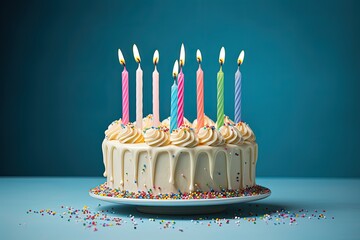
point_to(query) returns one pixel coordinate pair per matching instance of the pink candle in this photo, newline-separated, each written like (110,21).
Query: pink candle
(125,96)
(156,118)
(181,88)
(180,98)
(200,92)
(125,90)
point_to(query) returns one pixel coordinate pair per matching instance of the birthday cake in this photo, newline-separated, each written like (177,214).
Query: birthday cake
(188,159)
(176,156)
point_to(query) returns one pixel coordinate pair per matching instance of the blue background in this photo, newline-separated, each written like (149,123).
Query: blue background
(61,87)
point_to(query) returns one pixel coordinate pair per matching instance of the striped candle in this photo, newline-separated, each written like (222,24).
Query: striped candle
(181,88)
(174,99)
(200,92)
(238,96)
(220,98)
(220,91)
(238,85)
(174,107)
(125,89)
(180,114)
(125,96)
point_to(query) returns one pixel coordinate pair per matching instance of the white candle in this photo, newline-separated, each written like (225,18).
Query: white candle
(139,89)
(156,118)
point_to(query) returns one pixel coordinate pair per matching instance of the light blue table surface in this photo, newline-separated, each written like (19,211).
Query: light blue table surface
(340,198)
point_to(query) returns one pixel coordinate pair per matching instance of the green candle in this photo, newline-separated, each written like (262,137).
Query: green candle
(220,90)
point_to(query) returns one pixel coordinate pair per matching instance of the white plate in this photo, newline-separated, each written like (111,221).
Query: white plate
(179,202)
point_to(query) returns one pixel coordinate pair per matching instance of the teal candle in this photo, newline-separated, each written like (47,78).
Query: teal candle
(174,107)
(174,100)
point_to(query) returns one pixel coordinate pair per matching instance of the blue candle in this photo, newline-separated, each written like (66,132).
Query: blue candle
(238,96)
(174,107)
(238,84)
(174,100)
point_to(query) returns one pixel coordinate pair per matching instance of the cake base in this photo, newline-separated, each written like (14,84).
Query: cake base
(185,204)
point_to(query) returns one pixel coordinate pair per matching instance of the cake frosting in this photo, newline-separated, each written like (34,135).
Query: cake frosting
(231,134)
(186,160)
(210,136)
(246,132)
(157,137)
(184,136)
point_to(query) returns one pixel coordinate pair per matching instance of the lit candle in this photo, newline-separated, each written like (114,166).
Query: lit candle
(174,99)
(181,88)
(238,88)
(220,90)
(200,92)
(156,121)
(139,89)
(125,89)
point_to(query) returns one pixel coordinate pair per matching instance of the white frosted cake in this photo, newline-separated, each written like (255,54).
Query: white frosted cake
(151,160)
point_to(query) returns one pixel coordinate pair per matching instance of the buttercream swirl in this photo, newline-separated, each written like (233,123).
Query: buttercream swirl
(157,137)
(210,136)
(231,134)
(147,122)
(207,122)
(184,137)
(228,121)
(166,122)
(130,134)
(246,132)
(112,133)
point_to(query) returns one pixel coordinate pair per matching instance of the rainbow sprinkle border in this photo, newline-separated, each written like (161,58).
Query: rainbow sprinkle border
(104,191)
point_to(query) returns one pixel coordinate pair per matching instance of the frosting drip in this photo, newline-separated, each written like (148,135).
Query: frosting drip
(130,134)
(184,137)
(246,132)
(157,137)
(210,136)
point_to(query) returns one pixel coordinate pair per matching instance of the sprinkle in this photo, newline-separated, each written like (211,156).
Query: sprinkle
(104,190)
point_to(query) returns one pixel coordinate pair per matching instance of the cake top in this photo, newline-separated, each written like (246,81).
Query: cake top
(187,135)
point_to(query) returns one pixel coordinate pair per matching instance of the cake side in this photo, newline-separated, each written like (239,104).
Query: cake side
(171,169)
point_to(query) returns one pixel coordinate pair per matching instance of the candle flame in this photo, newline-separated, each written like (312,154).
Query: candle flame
(121,57)
(198,56)
(222,56)
(241,57)
(176,69)
(182,55)
(156,57)
(136,54)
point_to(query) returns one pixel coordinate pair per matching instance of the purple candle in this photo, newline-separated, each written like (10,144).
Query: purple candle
(238,86)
